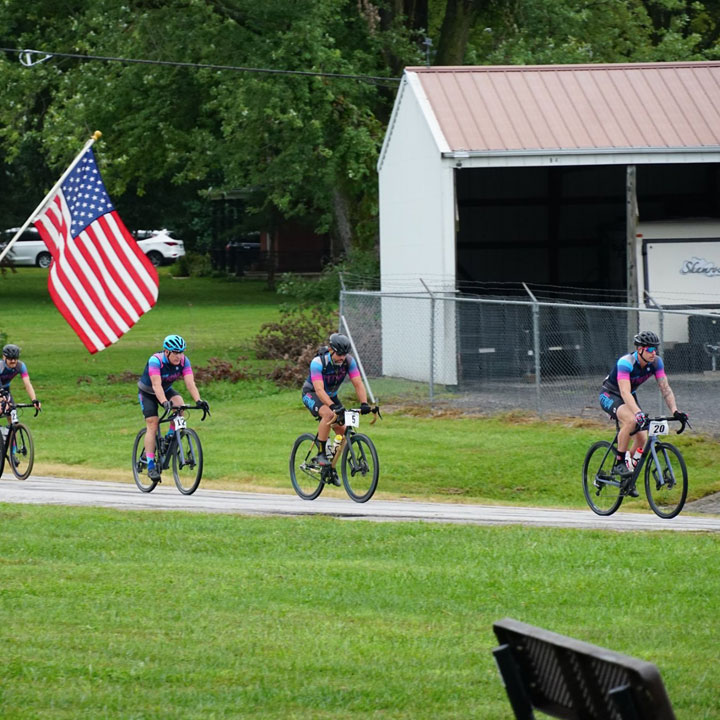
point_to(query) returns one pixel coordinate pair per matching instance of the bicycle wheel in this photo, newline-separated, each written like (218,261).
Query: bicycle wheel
(187,461)
(139,464)
(666,485)
(21,451)
(2,454)
(306,476)
(360,468)
(601,487)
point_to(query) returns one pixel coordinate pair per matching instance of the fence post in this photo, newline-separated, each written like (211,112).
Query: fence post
(661,335)
(432,342)
(342,300)
(356,355)
(536,347)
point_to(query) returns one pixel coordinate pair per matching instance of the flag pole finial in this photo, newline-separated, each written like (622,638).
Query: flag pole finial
(96,135)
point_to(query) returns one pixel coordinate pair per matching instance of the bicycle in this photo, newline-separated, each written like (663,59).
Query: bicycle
(18,446)
(183,449)
(666,479)
(358,458)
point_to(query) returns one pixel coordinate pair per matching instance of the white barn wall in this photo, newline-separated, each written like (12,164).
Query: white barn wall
(417,231)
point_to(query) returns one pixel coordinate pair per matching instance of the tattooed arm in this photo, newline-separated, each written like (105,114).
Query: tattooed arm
(667,394)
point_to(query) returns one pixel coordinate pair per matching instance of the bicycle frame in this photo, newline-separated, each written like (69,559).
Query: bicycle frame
(648,450)
(349,432)
(166,452)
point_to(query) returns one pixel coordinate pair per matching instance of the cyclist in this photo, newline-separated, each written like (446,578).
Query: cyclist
(619,401)
(155,388)
(10,366)
(328,370)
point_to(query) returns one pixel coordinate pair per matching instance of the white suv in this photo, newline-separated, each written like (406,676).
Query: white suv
(159,246)
(29,249)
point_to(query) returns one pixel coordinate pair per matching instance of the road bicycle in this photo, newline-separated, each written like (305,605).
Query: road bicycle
(666,479)
(183,449)
(17,443)
(356,454)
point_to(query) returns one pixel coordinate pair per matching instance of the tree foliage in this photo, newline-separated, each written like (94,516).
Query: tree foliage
(309,144)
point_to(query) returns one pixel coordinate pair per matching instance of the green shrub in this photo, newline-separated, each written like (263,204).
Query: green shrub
(192,265)
(293,341)
(361,267)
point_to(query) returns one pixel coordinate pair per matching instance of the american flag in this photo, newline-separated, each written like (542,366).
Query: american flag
(100,281)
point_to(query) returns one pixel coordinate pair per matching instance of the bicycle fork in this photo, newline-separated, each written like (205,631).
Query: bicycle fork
(661,469)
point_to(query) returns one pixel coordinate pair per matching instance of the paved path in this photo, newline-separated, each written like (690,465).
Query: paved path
(63,491)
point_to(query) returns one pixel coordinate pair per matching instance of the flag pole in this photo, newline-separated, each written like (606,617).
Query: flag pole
(95,136)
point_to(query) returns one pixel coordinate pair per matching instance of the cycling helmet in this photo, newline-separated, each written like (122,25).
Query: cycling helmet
(11,351)
(646,338)
(340,343)
(174,343)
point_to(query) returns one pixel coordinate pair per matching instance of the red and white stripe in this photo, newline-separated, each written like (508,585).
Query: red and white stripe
(100,281)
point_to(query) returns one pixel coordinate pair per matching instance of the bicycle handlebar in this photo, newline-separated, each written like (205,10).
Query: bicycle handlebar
(17,406)
(337,420)
(375,411)
(175,411)
(672,418)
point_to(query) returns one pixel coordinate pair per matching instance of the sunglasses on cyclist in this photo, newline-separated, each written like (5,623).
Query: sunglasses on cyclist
(651,349)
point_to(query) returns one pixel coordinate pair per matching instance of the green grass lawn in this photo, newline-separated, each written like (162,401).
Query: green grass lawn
(88,423)
(108,614)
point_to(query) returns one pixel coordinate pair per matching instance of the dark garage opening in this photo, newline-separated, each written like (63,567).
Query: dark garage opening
(562,226)
(556,226)
(566,226)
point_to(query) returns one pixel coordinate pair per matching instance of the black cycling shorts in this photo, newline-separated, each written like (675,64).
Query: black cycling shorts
(610,402)
(149,402)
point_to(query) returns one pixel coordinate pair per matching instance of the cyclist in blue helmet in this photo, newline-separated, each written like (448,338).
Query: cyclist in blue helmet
(155,388)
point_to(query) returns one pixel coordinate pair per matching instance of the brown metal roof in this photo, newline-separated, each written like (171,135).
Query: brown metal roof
(572,107)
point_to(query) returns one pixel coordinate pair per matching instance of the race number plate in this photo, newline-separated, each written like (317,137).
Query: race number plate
(13,416)
(180,422)
(658,427)
(352,419)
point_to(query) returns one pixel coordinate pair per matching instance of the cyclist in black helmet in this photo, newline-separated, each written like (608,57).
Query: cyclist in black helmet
(328,369)
(155,389)
(10,366)
(618,398)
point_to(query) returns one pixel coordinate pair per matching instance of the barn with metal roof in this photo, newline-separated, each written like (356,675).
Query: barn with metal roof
(539,174)
(526,173)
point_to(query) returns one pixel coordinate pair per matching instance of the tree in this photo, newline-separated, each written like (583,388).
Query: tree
(310,143)
(460,17)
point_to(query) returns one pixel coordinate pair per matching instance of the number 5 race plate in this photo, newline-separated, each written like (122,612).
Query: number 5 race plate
(352,419)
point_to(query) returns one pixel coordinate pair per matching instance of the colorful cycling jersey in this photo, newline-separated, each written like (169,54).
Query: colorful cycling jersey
(8,373)
(628,368)
(332,376)
(158,364)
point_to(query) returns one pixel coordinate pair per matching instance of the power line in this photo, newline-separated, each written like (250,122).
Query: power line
(26,59)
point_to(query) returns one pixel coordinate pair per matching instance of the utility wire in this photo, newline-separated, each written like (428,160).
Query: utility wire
(25,59)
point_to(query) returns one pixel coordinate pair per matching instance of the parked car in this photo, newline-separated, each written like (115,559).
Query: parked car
(29,248)
(159,246)
(243,253)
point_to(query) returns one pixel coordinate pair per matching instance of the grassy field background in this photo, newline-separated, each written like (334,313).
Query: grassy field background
(108,614)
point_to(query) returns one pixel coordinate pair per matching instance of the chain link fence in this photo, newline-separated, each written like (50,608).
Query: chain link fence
(502,354)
